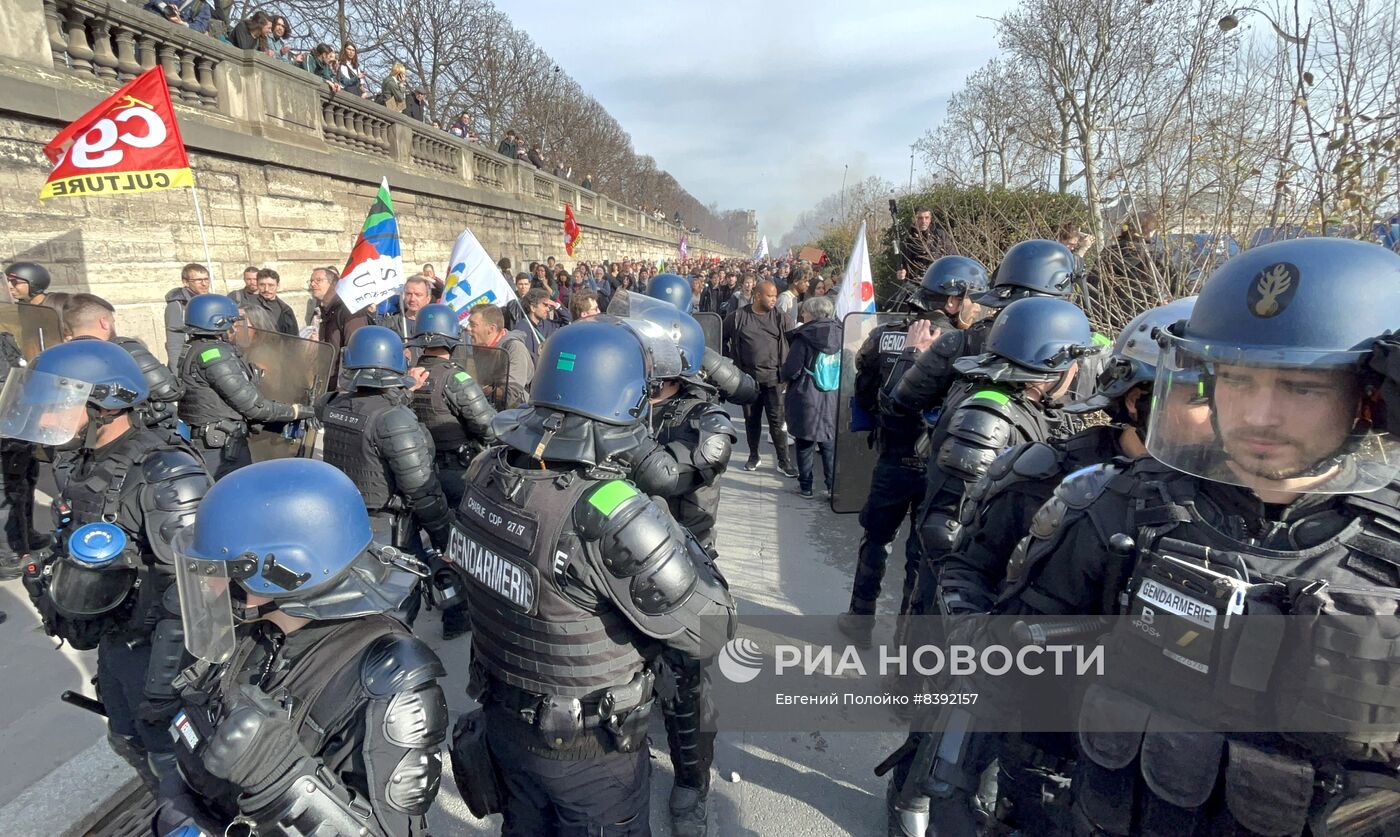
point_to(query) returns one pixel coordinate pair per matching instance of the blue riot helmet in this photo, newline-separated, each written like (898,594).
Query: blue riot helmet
(1132,361)
(437,326)
(374,359)
(1032,339)
(671,288)
(1280,337)
(96,574)
(67,388)
(211,314)
(1037,267)
(311,553)
(949,276)
(597,370)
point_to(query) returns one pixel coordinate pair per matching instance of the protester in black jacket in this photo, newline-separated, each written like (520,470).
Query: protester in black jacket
(756,340)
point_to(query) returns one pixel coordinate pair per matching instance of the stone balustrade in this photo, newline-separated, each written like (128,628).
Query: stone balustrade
(109,42)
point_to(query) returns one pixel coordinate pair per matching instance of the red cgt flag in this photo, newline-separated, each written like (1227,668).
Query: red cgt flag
(129,143)
(572,231)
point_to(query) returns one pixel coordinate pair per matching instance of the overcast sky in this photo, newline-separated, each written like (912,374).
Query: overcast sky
(760,104)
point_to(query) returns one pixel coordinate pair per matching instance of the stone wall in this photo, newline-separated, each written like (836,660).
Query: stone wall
(285,170)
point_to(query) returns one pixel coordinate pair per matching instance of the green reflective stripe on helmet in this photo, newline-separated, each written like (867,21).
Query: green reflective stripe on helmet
(462,376)
(1101,339)
(999,398)
(610,495)
(209,354)
(566,361)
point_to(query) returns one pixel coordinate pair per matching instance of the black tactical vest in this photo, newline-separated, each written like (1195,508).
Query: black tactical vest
(696,510)
(349,420)
(97,482)
(1324,678)
(201,404)
(515,542)
(431,405)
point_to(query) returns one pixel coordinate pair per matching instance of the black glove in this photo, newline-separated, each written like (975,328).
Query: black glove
(1385,360)
(255,745)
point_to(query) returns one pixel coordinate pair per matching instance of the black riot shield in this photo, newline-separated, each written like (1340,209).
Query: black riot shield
(290,370)
(713,326)
(490,368)
(33,327)
(855,453)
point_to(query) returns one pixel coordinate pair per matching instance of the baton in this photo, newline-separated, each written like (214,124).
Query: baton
(82,701)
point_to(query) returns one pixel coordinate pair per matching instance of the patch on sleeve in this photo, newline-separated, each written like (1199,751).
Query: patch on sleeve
(608,496)
(210,354)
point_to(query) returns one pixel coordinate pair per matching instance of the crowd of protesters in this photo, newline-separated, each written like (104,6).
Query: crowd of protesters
(777,317)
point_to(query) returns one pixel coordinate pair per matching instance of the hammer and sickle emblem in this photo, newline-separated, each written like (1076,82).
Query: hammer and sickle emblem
(1270,285)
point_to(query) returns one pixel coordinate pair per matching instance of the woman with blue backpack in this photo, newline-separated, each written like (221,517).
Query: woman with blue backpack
(812,372)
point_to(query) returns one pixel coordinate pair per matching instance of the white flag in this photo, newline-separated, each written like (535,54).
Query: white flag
(473,278)
(857,286)
(761,252)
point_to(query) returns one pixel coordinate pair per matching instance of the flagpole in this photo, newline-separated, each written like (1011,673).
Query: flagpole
(203,237)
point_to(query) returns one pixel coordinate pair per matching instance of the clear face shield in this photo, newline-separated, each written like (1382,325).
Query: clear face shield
(43,408)
(206,599)
(1267,419)
(659,343)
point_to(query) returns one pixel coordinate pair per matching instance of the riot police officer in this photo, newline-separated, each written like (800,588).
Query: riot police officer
(110,587)
(373,435)
(688,422)
(88,316)
(446,399)
(998,507)
(1037,267)
(1011,394)
(1288,505)
(699,436)
(311,709)
(562,563)
(455,412)
(221,392)
(996,513)
(897,486)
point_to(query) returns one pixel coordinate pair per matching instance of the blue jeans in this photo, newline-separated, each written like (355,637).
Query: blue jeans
(805,463)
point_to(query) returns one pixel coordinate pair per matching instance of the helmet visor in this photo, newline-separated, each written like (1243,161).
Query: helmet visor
(659,343)
(43,408)
(206,607)
(1275,419)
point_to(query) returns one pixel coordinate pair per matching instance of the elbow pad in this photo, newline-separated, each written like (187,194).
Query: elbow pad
(312,804)
(733,384)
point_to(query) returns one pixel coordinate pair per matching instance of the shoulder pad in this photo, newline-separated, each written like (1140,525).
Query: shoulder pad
(398,662)
(990,399)
(599,504)
(715,420)
(1081,488)
(949,345)
(397,420)
(1035,461)
(166,464)
(215,351)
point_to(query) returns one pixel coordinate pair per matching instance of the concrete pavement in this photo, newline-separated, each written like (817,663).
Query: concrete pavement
(782,555)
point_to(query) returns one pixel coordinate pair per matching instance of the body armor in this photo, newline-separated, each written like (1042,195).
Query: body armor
(929,380)
(349,444)
(528,631)
(430,404)
(165,388)
(700,436)
(1320,677)
(202,404)
(365,705)
(978,423)
(876,364)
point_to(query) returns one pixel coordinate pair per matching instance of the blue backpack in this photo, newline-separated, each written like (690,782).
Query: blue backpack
(826,371)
